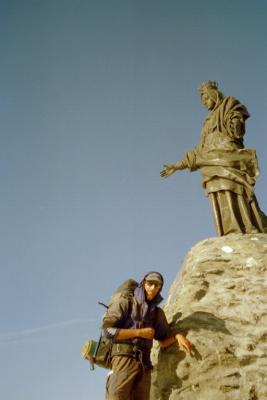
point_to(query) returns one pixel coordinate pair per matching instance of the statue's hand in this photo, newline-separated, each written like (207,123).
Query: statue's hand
(169,169)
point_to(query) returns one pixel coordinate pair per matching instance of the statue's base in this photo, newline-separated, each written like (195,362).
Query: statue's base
(220,299)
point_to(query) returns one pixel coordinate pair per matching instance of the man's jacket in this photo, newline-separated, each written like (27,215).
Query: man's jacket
(136,313)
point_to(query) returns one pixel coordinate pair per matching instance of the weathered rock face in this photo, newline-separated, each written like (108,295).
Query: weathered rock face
(219,300)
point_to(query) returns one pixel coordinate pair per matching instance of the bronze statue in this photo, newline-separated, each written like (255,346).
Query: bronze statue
(229,169)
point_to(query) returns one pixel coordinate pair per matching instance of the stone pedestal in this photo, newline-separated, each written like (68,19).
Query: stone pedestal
(219,300)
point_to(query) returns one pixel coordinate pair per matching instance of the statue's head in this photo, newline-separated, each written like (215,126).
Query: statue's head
(210,95)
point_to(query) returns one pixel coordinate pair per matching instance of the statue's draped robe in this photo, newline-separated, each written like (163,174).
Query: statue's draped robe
(229,170)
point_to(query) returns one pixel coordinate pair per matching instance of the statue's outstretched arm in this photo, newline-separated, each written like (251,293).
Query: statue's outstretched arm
(169,169)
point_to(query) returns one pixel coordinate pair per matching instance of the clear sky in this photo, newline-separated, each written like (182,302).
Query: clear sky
(95,97)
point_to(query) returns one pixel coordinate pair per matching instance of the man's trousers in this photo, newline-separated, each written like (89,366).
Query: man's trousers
(128,380)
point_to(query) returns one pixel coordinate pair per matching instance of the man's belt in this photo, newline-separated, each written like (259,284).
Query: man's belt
(127,349)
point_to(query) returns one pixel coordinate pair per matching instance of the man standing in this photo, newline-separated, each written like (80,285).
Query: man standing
(132,325)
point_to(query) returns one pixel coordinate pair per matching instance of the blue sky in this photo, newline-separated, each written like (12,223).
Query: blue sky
(95,97)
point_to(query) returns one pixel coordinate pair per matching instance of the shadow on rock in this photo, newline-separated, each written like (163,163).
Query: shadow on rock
(200,320)
(195,353)
(168,359)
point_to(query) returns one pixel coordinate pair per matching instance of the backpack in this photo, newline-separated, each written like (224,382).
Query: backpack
(99,352)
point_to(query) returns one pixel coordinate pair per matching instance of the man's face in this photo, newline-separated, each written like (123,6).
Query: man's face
(152,288)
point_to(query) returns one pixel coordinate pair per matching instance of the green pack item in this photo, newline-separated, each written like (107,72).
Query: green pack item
(99,353)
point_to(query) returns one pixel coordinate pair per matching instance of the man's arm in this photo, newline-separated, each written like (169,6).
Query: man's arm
(178,338)
(112,322)
(145,333)
(166,335)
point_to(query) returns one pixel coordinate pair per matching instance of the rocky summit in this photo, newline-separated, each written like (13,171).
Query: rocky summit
(219,300)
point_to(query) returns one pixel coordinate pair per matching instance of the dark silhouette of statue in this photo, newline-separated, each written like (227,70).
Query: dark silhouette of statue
(229,170)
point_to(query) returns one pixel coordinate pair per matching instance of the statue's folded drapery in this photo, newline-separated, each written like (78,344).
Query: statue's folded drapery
(228,169)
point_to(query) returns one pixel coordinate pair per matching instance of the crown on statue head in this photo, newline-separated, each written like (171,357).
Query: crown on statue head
(208,85)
